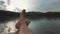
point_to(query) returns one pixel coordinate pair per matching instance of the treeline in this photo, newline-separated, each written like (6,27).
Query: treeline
(8,15)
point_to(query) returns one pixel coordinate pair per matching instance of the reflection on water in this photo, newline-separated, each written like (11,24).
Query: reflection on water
(8,27)
(38,26)
(45,26)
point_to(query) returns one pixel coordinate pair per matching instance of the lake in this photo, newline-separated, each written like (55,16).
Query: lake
(38,26)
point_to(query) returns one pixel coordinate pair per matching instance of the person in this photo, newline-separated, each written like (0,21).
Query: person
(22,24)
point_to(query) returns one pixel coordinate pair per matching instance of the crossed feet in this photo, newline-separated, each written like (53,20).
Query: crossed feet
(22,24)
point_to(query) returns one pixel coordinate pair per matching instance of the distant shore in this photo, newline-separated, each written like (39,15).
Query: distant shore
(8,15)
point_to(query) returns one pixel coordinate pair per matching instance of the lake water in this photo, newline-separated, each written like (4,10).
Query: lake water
(38,26)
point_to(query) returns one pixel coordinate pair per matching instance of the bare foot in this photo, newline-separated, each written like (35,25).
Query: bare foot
(22,25)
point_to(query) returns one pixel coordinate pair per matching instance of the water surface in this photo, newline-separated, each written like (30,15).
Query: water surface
(38,26)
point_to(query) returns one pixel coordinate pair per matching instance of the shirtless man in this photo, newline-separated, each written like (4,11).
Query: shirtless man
(22,25)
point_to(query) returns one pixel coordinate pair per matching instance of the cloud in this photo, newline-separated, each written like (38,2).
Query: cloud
(38,5)
(23,4)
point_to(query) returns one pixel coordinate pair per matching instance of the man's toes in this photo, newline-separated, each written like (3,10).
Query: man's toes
(28,22)
(17,25)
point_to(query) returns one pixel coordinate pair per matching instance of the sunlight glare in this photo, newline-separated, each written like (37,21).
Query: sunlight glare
(21,4)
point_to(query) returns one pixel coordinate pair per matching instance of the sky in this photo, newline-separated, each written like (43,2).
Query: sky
(35,5)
